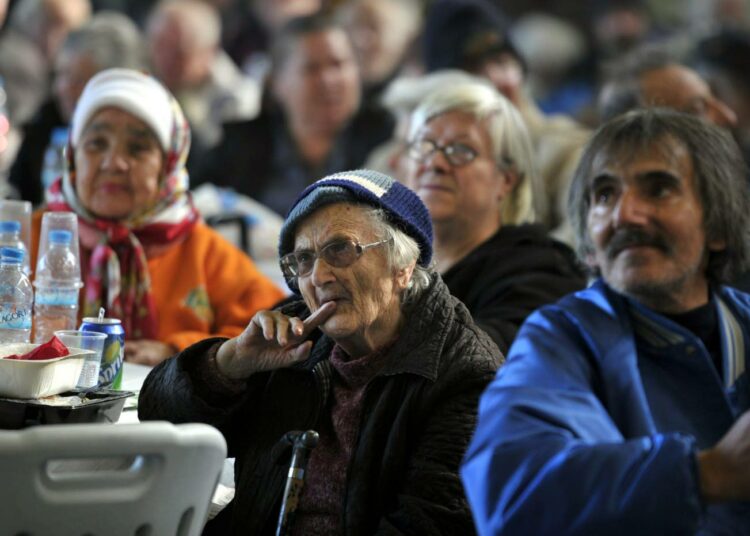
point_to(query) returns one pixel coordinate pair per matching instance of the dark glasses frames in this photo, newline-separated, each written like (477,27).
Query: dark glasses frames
(457,154)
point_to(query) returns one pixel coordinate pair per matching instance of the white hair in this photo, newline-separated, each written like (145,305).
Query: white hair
(404,94)
(201,18)
(511,144)
(402,251)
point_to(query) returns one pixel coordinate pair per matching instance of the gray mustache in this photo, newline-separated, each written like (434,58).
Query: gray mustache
(626,238)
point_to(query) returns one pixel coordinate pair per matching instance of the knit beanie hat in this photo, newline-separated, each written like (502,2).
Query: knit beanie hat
(403,207)
(135,92)
(460,34)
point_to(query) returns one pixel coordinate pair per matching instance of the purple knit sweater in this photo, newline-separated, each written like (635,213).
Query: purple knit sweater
(325,485)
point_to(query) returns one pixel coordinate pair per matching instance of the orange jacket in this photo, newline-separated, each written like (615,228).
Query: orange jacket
(202,287)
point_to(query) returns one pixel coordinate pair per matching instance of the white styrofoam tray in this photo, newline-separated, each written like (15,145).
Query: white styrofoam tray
(35,379)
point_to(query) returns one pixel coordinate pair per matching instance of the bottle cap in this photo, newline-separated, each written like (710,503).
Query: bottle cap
(10,226)
(59,236)
(11,255)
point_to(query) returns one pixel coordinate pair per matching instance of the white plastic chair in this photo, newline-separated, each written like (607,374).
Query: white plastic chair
(147,479)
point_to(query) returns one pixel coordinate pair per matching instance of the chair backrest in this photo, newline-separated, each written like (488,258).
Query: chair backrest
(147,479)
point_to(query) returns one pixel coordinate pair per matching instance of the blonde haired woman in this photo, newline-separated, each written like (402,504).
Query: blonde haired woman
(471,164)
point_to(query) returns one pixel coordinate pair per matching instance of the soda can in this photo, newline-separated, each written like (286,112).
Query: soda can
(110,373)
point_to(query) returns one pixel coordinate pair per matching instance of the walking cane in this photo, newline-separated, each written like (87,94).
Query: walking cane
(302,444)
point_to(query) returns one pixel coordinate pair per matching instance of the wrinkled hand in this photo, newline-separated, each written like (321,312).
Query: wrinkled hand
(724,469)
(147,352)
(271,341)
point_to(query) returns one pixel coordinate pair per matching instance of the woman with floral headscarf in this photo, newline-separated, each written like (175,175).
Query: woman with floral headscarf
(146,256)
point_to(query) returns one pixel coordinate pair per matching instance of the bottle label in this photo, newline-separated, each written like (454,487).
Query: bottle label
(14,316)
(56,296)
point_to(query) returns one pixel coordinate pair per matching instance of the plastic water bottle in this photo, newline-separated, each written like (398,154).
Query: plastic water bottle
(16,297)
(57,282)
(54,159)
(10,235)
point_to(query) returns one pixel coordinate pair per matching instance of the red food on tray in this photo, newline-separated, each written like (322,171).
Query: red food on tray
(49,350)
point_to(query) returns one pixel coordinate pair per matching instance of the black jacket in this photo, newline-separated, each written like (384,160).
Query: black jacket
(257,158)
(418,416)
(510,275)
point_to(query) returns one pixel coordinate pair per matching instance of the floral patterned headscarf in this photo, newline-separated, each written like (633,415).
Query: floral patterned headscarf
(116,270)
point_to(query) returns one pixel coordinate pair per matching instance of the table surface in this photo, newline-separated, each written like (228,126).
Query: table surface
(133,376)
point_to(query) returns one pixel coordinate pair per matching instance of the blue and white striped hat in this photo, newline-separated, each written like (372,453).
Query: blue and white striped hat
(403,207)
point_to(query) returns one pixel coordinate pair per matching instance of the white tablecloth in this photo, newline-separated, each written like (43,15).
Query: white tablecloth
(133,376)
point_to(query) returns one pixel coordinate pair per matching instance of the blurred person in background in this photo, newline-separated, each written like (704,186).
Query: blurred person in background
(473,167)
(723,60)
(555,52)
(652,77)
(146,256)
(8,136)
(472,35)
(400,98)
(29,43)
(312,125)
(184,42)
(108,40)
(249,27)
(619,27)
(373,353)
(383,33)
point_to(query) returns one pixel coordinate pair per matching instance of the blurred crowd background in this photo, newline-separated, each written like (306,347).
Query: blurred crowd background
(273,105)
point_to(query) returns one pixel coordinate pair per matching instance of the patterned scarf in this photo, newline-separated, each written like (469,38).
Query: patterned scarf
(116,270)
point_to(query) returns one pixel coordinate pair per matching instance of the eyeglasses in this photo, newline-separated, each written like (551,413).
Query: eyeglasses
(457,154)
(339,254)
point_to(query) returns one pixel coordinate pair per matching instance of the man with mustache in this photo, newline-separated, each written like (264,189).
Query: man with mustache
(623,408)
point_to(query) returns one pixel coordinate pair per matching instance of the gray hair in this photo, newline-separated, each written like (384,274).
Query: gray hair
(622,91)
(402,251)
(201,18)
(719,174)
(111,39)
(511,145)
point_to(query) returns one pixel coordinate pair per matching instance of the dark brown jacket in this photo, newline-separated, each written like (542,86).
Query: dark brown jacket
(417,419)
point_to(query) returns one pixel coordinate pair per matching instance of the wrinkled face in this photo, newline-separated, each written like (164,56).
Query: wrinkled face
(682,89)
(72,71)
(318,83)
(470,193)
(119,164)
(367,293)
(645,222)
